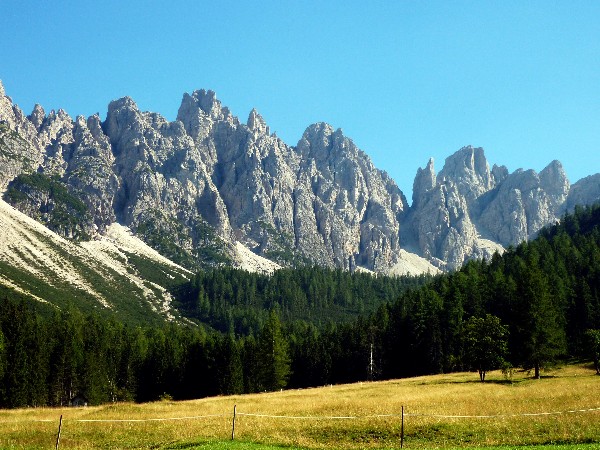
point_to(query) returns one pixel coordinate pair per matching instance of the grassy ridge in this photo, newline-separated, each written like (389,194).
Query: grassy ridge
(127,299)
(207,423)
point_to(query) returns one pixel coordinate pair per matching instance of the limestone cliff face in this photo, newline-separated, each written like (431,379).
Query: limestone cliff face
(197,187)
(322,201)
(525,202)
(90,170)
(20,149)
(584,192)
(356,208)
(252,171)
(457,213)
(439,218)
(165,189)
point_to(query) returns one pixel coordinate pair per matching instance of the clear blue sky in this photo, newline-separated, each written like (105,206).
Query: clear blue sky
(406,80)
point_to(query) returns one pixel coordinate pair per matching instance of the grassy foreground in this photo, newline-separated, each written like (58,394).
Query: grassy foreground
(358,416)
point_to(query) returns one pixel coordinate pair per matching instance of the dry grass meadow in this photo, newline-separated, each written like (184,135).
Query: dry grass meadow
(367,415)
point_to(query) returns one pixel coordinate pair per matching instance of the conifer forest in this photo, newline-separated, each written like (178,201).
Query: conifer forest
(533,306)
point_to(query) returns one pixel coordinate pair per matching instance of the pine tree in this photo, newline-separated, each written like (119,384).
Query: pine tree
(273,354)
(65,333)
(542,338)
(2,354)
(231,377)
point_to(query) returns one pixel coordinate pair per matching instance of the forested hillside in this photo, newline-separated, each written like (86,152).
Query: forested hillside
(535,305)
(233,300)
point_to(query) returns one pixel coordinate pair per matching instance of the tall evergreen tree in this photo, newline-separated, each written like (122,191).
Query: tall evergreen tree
(231,377)
(541,337)
(67,356)
(2,354)
(251,364)
(23,349)
(273,354)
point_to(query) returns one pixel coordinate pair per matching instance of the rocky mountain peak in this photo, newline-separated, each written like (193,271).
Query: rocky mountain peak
(499,173)
(2,91)
(555,167)
(583,191)
(37,116)
(256,123)
(203,185)
(94,123)
(200,113)
(470,172)
(553,178)
(318,140)
(206,101)
(468,210)
(425,181)
(122,103)
(121,115)
(80,121)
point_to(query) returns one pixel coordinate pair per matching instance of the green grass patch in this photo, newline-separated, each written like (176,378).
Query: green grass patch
(154,271)
(206,423)
(241,445)
(228,445)
(542,447)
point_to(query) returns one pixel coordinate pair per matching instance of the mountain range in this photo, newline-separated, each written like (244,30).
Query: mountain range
(207,189)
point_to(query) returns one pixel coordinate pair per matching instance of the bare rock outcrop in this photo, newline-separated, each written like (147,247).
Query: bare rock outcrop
(199,188)
(457,214)
(357,208)
(585,192)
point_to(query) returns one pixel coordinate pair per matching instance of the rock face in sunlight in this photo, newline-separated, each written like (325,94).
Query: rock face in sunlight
(198,188)
(456,215)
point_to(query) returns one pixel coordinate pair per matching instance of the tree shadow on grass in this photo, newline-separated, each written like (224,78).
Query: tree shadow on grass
(501,382)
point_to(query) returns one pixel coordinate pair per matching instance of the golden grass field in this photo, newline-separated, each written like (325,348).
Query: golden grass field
(573,387)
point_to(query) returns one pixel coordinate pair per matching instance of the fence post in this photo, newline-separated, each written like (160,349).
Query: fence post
(58,435)
(233,423)
(402,430)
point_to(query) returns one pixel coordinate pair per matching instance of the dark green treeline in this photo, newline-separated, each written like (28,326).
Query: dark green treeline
(270,333)
(235,301)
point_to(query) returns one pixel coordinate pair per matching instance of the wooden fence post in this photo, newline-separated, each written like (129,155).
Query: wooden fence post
(233,423)
(58,435)
(402,430)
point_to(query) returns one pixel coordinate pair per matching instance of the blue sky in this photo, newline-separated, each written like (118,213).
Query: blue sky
(406,80)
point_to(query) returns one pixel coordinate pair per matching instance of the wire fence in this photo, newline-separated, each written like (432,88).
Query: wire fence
(157,419)
(288,417)
(499,416)
(236,414)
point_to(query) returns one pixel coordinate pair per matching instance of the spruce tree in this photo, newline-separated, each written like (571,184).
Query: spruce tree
(542,338)
(231,377)
(273,354)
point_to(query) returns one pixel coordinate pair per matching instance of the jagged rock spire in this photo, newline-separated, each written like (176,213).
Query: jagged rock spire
(256,123)
(37,116)
(424,182)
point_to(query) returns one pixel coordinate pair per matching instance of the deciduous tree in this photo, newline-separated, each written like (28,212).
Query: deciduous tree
(485,343)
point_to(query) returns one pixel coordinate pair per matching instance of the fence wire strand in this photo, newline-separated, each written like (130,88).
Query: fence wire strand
(497,416)
(157,419)
(273,416)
